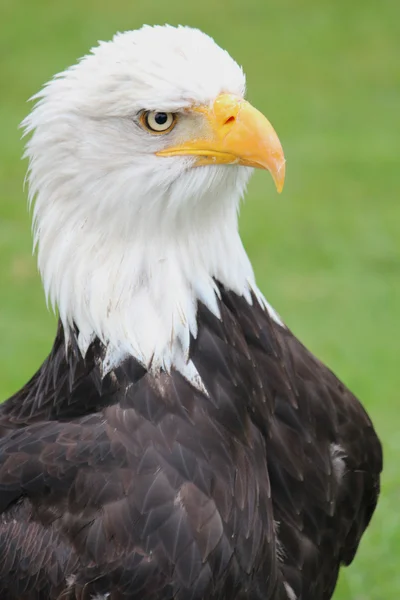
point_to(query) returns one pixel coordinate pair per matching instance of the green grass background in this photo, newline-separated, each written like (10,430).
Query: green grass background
(326,252)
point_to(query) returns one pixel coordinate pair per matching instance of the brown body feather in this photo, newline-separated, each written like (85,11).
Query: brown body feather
(142,487)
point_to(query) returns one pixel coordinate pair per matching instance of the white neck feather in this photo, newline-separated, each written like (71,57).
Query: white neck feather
(134,284)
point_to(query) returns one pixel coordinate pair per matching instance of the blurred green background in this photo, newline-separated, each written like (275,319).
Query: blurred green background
(326,252)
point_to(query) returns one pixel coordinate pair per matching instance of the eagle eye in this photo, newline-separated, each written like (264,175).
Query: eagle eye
(157,121)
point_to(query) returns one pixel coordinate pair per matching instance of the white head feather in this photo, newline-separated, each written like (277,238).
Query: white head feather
(128,241)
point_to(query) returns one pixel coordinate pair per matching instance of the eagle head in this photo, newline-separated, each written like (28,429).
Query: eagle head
(138,157)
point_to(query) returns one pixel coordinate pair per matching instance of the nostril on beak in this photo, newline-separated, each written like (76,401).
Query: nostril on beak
(230,120)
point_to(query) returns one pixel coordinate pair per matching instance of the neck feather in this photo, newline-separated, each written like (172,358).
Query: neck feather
(135,285)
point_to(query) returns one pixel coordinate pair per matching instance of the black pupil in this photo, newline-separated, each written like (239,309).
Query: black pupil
(161,118)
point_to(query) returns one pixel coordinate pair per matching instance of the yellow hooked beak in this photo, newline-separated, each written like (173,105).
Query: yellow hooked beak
(234,133)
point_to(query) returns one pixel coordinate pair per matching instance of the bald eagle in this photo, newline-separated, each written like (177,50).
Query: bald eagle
(178,442)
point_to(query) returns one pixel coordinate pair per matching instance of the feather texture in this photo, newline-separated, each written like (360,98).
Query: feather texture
(139,485)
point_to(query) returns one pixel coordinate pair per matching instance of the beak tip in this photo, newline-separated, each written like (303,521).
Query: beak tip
(279,176)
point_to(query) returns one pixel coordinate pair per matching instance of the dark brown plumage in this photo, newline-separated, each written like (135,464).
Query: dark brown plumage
(143,487)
